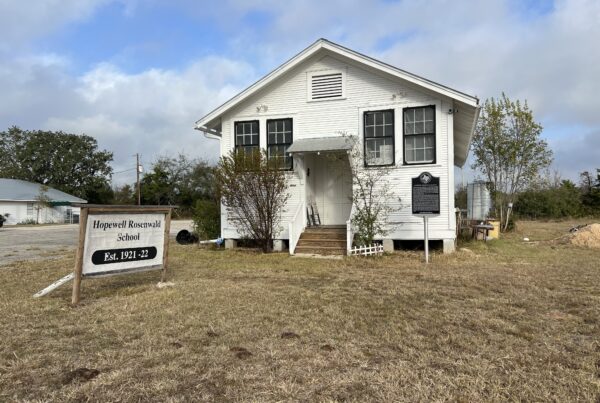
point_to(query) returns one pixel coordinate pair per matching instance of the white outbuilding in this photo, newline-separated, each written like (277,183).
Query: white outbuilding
(28,202)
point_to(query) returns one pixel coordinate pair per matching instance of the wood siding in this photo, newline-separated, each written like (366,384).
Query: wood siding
(365,90)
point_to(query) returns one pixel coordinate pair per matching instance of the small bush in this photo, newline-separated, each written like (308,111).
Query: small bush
(28,221)
(207,219)
(562,201)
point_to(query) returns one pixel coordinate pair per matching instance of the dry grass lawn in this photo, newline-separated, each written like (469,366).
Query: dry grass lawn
(502,321)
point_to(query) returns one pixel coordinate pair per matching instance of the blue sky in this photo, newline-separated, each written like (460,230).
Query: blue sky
(137,74)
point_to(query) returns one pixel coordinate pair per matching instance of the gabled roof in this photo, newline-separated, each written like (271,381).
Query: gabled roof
(19,190)
(471,103)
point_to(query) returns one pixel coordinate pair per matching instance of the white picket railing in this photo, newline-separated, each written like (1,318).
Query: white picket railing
(349,232)
(296,226)
(376,249)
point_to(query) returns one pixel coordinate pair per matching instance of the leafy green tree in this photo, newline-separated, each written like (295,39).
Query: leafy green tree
(558,201)
(590,188)
(508,149)
(254,191)
(124,195)
(100,192)
(68,162)
(178,181)
(207,218)
(158,187)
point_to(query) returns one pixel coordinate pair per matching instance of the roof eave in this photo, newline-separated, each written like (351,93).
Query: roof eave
(338,49)
(403,74)
(462,159)
(257,85)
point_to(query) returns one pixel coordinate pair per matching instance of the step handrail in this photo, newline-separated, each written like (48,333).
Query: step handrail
(349,231)
(296,226)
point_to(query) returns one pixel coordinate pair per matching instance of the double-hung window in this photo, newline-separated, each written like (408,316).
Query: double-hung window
(419,135)
(246,136)
(379,138)
(279,138)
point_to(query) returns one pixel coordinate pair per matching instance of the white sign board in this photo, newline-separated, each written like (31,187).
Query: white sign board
(116,243)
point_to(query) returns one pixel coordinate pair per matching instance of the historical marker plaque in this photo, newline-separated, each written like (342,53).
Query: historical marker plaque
(426,194)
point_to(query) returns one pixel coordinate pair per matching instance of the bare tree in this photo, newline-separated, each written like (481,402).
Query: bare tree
(371,195)
(587,181)
(254,190)
(42,201)
(508,149)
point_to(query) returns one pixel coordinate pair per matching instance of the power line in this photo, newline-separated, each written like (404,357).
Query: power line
(126,170)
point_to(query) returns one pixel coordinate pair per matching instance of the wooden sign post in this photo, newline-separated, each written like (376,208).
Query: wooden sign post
(426,202)
(120,239)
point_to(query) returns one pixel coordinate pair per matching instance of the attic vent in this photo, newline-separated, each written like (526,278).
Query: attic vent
(326,85)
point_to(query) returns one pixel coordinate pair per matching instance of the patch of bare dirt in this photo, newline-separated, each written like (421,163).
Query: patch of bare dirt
(80,375)
(587,236)
(241,352)
(289,335)
(211,333)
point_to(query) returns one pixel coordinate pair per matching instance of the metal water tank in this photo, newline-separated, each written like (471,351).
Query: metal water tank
(479,201)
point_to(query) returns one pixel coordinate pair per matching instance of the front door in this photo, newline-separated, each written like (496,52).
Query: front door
(330,187)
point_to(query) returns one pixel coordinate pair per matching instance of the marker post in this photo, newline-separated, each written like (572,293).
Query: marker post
(426,202)
(426,231)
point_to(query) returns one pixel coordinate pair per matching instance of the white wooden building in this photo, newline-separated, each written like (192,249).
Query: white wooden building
(308,106)
(20,202)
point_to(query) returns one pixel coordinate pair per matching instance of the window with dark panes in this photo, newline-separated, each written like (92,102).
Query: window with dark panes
(246,136)
(279,138)
(379,138)
(419,135)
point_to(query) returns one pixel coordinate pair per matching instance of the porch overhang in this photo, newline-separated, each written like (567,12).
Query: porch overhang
(321,144)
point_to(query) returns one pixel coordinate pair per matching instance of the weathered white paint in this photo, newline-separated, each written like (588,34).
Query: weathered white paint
(296,226)
(366,88)
(329,186)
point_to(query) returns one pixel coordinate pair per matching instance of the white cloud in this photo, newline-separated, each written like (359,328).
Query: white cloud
(548,57)
(152,112)
(478,47)
(21,21)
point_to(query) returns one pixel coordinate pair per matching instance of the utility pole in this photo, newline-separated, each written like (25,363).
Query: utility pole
(137,172)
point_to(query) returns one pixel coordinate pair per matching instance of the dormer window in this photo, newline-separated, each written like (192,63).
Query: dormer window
(325,85)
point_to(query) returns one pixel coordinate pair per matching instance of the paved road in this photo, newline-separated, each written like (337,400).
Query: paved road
(24,243)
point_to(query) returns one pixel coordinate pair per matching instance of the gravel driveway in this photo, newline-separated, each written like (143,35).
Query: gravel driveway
(41,242)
